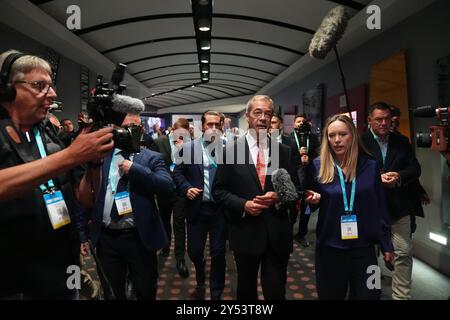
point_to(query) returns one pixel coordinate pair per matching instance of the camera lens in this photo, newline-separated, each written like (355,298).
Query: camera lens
(423,139)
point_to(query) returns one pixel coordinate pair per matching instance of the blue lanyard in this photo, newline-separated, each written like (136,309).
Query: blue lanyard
(298,143)
(111,175)
(211,160)
(347,209)
(43,154)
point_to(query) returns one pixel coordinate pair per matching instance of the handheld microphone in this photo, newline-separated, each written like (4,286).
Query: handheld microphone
(283,185)
(329,33)
(127,104)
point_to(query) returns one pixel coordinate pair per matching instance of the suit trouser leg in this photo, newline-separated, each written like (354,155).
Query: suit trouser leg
(273,275)
(303,221)
(114,266)
(247,267)
(216,226)
(179,227)
(196,239)
(165,206)
(143,267)
(402,274)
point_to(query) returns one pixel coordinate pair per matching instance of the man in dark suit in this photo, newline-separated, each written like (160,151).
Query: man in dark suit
(168,146)
(305,148)
(194,180)
(277,124)
(126,226)
(399,169)
(260,232)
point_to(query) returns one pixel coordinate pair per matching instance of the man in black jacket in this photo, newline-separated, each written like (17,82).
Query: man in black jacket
(399,168)
(259,226)
(305,147)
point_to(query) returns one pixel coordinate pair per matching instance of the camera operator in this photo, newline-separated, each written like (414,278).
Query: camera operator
(126,228)
(36,194)
(305,147)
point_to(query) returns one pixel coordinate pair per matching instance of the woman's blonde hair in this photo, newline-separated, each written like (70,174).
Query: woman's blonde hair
(24,65)
(327,157)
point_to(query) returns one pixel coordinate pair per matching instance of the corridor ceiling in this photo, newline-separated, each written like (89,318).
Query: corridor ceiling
(252,41)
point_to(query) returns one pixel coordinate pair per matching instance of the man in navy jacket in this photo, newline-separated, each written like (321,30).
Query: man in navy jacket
(194,179)
(126,226)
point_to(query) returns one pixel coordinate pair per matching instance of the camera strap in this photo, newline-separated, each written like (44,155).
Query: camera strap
(298,143)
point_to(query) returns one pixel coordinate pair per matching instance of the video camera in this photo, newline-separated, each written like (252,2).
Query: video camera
(439,135)
(107,106)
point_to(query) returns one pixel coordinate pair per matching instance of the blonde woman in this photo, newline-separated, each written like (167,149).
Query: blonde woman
(352,217)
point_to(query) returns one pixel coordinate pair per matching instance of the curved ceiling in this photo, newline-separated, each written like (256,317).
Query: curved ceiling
(252,42)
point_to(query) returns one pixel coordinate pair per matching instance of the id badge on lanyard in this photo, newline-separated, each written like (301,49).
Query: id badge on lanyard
(349,222)
(349,227)
(54,199)
(123,203)
(57,209)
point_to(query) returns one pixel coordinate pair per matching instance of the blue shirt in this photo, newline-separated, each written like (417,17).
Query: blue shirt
(369,207)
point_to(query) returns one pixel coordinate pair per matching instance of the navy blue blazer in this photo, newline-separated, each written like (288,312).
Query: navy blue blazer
(191,175)
(147,176)
(369,207)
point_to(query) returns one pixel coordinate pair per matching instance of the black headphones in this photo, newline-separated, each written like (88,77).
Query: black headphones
(7,90)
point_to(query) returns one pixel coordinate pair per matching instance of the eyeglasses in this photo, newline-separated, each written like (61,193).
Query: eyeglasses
(259,113)
(41,86)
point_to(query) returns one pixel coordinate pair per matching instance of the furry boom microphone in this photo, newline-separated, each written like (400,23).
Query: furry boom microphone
(329,33)
(326,37)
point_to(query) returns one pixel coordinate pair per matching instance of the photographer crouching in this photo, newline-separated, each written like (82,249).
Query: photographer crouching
(36,191)
(305,146)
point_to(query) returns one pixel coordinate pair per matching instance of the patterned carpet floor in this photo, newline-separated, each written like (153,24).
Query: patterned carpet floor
(300,277)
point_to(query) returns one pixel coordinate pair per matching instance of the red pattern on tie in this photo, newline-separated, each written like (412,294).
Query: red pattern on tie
(261,167)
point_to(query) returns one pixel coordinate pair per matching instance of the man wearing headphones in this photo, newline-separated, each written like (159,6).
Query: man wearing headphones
(36,194)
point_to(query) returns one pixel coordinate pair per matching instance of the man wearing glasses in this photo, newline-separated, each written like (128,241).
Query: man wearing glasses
(260,232)
(37,186)
(399,170)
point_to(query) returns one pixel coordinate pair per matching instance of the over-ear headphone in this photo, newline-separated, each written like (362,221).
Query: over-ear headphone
(7,90)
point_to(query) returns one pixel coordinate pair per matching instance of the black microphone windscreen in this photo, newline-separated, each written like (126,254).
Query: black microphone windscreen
(329,33)
(283,185)
(425,112)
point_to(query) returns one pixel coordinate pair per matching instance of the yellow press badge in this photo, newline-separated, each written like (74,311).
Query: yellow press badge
(123,203)
(57,209)
(349,227)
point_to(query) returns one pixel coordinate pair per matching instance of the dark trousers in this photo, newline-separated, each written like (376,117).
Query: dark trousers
(168,203)
(273,275)
(294,213)
(209,220)
(339,271)
(122,251)
(35,260)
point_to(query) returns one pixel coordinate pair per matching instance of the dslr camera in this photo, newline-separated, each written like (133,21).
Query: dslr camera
(438,136)
(107,106)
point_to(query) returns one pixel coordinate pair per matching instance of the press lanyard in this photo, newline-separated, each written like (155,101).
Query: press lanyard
(43,154)
(347,209)
(210,159)
(298,143)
